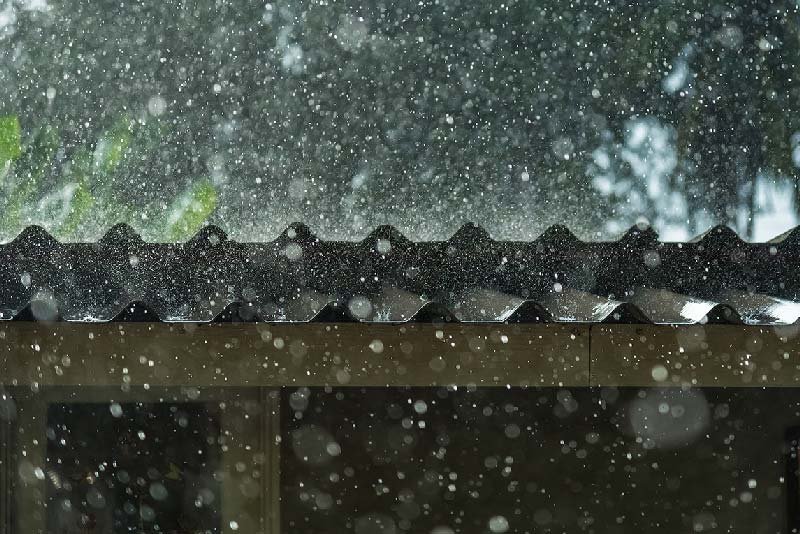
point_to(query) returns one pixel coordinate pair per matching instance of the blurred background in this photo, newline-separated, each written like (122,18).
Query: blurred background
(516,115)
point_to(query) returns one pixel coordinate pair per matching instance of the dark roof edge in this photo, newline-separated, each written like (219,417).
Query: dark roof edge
(527,312)
(469,278)
(559,234)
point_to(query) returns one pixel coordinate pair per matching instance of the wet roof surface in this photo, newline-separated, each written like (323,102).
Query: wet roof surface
(387,278)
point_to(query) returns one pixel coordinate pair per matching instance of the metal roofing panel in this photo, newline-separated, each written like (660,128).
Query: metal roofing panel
(387,278)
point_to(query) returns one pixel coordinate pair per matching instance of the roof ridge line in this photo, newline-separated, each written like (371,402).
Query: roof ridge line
(557,234)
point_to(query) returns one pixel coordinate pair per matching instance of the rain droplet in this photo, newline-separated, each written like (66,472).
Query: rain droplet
(115,409)
(360,307)
(383,246)
(95,498)
(659,373)
(498,524)
(156,105)
(158,491)
(333,448)
(652,259)
(293,252)
(323,501)
(147,513)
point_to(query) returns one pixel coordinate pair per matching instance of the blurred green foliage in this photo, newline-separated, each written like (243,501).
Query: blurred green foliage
(79,195)
(191,210)
(426,114)
(9,141)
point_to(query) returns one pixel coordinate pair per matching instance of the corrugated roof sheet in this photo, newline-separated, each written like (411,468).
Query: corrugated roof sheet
(387,278)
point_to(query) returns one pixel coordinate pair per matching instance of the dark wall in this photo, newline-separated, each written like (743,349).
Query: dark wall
(546,460)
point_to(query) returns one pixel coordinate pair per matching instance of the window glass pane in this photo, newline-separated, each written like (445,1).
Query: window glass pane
(541,460)
(397,459)
(152,465)
(142,459)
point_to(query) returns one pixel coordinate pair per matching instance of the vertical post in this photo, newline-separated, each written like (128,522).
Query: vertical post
(271,450)
(8,411)
(30,456)
(250,461)
(7,415)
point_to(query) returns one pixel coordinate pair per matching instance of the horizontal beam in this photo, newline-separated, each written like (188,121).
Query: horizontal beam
(312,354)
(695,355)
(351,354)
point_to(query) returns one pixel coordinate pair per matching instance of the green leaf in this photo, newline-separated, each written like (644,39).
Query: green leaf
(30,173)
(82,202)
(38,155)
(191,210)
(10,144)
(79,167)
(111,148)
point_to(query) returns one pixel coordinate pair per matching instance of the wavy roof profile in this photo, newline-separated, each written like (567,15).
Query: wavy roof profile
(387,278)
